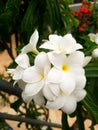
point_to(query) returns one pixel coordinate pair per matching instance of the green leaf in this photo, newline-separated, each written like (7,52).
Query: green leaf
(8,22)
(27,24)
(92,110)
(79,116)
(91,70)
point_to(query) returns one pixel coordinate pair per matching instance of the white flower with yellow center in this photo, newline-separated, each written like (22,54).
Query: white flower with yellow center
(65,81)
(31,46)
(35,76)
(58,44)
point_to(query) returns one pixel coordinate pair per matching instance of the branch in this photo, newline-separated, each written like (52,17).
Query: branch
(8,88)
(27,120)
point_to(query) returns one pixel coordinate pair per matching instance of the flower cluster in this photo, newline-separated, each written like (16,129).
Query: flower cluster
(83,15)
(57,77)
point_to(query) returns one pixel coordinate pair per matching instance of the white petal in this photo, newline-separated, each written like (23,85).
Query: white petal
(47,45)
(34,38)
(54,38)
(87,59)
(52,44)
(39,99)
(31,75)
(22,60)
(42,62)
(92,36)
(95,53)
(57,59)
(26,98)
(70,44)
(76,57)
(54,88)
(55,76)
(79,94)
(70,105)
(18,73)
(57,104)
(48,93)
(80,81)
(32,89)
(67,85)
(77,69)
(32,43)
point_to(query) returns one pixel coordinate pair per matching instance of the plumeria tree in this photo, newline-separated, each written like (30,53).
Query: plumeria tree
(56,66)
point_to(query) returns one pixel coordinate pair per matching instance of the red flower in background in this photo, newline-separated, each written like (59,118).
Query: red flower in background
(81,29)
(86,3)
(83,15)
(83,10)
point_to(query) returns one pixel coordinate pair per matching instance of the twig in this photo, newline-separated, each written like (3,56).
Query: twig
(8,87)
(28,120)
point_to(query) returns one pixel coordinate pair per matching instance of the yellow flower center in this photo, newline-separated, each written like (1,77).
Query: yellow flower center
(63,94)
(35,52)
(42,76)
(65,68)
(60,49)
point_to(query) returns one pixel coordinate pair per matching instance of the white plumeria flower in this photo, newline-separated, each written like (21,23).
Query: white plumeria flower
(58,44)
(65,81)
(35,76)
(95,53)
(72,64)
(31,47)
(22,59)
(93,37)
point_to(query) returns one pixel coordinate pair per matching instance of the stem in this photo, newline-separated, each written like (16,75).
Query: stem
(8,87)
(80,119)
(65,125)
(27,120)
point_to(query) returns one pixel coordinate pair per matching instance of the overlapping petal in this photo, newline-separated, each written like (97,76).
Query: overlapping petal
(79,94)
(68,85)
(32,89)
(23,60)
(57,104)
(55,76)
(49,95)
(39,99)
(70,105)
(42,62)
(76,57)
(31,75)
(18,73)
